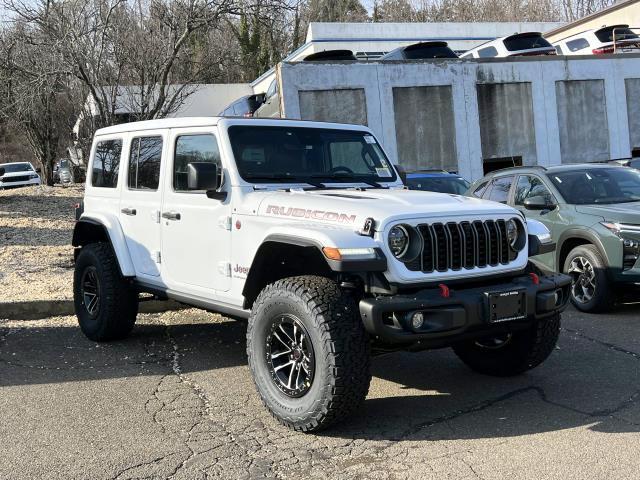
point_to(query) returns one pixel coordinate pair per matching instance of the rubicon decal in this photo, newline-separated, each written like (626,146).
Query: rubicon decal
(313,214)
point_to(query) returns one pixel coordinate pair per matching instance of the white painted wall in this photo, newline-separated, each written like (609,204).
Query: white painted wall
(378,79)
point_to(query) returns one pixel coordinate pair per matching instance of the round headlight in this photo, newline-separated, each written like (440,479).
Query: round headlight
(398,241)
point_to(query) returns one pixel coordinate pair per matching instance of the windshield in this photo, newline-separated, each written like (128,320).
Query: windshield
(311,155)
(16,167)
(598,186)
(454,185)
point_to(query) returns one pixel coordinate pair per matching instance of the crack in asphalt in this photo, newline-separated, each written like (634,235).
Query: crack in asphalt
(611,346)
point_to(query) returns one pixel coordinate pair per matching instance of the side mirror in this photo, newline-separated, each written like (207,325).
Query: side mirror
(538,203)
(38,170)
(205,176)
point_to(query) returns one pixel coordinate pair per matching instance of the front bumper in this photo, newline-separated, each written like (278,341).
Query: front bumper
(464,314)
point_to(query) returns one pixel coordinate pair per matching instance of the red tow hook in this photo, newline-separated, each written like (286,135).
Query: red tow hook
(444,291)
(535,278)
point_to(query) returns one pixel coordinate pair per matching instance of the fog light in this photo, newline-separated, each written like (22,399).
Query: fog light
(417,320)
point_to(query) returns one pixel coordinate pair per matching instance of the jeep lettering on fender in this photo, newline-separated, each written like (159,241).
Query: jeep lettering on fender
(305,229)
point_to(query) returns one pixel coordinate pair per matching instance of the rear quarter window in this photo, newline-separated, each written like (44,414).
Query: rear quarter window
(488,52)
(106,163)
(577,44)
(525,42)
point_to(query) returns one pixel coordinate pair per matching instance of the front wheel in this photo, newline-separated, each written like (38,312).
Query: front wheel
(590,289)
(308,352)
(512,353)
(105,304)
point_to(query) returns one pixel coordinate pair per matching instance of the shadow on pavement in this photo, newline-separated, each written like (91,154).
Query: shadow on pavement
(428,395)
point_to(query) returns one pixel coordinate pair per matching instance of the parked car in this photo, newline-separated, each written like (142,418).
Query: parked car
(305,230)
(18,174)
(436,181)
(422,50)
(598,41)
(520,44)
(271,106)
(633,162)
(593,213)
(62,172)
(244,106)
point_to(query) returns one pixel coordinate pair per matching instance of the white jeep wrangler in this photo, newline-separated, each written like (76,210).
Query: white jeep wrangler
(306,230)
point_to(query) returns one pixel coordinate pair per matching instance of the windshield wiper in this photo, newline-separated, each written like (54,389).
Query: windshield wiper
(353,178)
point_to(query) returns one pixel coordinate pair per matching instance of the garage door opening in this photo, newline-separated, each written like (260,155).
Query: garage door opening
(492,164)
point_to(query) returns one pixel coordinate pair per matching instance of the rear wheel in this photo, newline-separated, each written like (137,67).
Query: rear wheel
(511,353)
(590,290)
(308,352)
(105,303)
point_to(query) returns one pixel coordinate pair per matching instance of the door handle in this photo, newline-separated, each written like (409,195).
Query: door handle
(128,211)
(171,215)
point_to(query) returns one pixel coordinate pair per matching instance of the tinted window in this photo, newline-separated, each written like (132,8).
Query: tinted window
(144,163)
(488,52)
(605,35)
(452,184)
(559,50)
(192,148)
(106,162)
(268,154)
(598,186)
(429,52)
(16,167)
(525,42)
(528,187)
(500,189)
(273,88)
(577,44)
(480,190)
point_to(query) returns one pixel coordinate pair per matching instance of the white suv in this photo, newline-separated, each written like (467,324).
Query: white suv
(611,39)
(306,230)
(517,45)
(18,174)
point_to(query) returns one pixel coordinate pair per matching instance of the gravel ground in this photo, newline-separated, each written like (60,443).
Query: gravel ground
(35,242)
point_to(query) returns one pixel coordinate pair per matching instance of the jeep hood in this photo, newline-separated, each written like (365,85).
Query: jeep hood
(350,206)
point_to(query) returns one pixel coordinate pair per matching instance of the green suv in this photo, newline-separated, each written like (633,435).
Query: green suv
(593,213)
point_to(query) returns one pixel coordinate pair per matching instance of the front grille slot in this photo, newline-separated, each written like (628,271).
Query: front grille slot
(21,178)
(464,245)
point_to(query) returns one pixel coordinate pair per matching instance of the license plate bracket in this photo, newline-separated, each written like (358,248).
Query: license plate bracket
(507,306)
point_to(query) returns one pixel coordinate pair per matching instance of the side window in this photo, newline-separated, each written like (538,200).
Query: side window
(272,90)
(106,162)
(480,190)
(192,148)
(144,163)
(528,187)
(488,52)
(577,44)
(500,189)
(558,50)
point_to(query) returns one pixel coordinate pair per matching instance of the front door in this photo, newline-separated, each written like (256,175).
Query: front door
(141,199)
(196,230)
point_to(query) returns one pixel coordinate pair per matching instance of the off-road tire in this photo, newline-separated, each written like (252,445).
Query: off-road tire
(340,344)
(118,301)
(524,350)
(603,298)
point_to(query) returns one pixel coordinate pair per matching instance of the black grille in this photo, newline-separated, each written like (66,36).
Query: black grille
(455,246)
(21,178)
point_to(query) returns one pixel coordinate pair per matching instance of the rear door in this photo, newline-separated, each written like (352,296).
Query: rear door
(141,199)
(196,230)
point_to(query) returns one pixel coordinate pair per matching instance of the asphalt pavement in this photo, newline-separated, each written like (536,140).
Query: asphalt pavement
(175,400)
